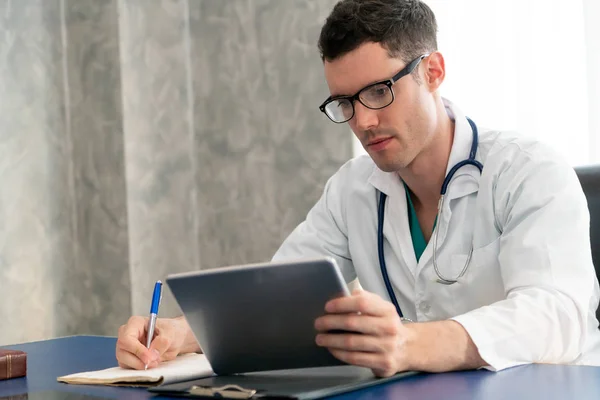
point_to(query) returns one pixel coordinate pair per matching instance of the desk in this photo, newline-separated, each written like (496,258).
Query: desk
(52,358)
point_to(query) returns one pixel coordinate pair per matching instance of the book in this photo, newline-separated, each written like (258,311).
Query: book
(13,364)
(183,368)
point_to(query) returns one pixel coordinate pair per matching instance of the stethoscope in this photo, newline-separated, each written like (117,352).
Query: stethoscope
(380,216)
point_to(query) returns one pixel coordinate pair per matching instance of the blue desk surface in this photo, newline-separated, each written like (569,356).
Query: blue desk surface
(52,358)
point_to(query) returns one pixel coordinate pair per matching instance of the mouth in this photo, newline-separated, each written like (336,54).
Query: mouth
(379,143)
(376,141)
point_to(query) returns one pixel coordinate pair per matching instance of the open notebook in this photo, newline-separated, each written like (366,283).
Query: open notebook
(183,368)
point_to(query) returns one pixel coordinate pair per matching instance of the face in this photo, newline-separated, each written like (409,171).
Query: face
(393,136)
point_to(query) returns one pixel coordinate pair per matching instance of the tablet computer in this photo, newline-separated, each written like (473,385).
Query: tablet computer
(260,317)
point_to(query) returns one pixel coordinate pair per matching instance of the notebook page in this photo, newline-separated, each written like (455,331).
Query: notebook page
(183,368)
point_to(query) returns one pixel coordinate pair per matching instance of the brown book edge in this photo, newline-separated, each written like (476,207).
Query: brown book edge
(18,356)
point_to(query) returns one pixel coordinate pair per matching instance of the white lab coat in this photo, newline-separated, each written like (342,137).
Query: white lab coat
(530,292)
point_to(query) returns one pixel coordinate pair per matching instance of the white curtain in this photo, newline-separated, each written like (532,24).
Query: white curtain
(526,65)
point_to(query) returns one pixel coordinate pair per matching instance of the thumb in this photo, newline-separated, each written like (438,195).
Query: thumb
(357,291)
(159,346)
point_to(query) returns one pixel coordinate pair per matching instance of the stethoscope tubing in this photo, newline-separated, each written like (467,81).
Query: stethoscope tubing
(381,215)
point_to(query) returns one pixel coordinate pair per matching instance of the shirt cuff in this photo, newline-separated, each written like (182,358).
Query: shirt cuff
(486,344)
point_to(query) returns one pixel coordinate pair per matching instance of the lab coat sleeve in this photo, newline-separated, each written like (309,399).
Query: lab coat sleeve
(546,267)
(323,232)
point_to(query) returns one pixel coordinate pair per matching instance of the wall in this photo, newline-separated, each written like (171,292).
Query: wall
(144,138)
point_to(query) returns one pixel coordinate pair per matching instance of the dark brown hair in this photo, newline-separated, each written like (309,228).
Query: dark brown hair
(406,28)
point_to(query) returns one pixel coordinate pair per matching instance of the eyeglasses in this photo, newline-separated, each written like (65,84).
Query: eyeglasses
(376,96)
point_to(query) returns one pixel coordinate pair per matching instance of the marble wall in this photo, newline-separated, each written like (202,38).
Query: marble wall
(140,138)
(63,238)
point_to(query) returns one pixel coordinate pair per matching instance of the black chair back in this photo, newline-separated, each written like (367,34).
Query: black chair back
(589,176)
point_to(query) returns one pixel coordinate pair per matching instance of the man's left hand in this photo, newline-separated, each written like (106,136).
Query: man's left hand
(376,338)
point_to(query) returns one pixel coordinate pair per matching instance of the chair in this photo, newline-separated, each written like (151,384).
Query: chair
(589,176)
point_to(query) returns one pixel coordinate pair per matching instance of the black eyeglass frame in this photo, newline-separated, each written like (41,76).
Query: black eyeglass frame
(388,82)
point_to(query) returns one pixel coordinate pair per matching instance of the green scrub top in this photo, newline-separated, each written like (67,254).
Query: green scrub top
(416,234)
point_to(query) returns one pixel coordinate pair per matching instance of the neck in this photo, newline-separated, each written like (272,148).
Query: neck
(425,175)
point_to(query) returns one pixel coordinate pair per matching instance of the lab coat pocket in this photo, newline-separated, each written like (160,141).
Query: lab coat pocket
(481,283)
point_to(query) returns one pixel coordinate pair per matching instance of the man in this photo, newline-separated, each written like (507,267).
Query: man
(502,277)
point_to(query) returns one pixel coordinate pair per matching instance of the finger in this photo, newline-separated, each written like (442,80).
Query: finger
(131,336)
(133,346)
(160,345)
(136,349)
(153,364)
(364,303)
(353,342)
(129,360)
(377,326)
(381,366)
(168,356)
(136,325)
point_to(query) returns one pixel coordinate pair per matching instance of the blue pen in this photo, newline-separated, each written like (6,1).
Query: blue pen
(156,297)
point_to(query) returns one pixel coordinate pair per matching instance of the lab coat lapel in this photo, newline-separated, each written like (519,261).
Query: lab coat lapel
(396,230)
(395,226)
(464,182)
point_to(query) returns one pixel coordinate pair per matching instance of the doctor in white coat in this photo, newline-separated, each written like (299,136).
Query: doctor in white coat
(513,248)
(502,277)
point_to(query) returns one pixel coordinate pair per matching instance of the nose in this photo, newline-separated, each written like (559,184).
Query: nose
(364,117)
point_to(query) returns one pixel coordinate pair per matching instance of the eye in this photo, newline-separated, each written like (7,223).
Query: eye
(344,105)
(379,91)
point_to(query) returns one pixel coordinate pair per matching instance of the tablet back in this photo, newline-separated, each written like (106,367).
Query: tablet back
(259,317)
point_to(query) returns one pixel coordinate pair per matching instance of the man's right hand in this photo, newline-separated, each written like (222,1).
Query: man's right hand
(172,336)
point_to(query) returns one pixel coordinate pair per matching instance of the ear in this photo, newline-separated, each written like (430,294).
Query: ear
(435,71)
